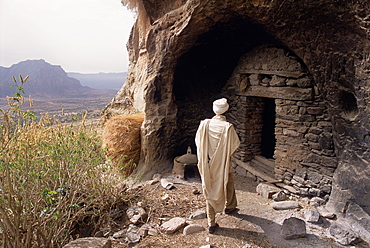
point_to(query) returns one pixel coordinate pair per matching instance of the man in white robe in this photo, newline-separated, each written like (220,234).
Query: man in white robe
(216,142)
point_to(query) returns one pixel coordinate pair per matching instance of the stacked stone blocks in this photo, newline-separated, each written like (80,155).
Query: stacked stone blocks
(304,152)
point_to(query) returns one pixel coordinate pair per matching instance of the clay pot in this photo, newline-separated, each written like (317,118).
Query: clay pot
(185,166)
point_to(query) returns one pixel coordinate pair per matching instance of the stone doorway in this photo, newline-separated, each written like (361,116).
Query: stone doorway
(268,139)
(282,121)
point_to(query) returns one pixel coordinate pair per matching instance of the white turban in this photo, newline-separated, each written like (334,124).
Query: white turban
(220,106)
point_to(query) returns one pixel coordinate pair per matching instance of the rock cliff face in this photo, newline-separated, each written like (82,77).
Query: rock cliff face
(183,54)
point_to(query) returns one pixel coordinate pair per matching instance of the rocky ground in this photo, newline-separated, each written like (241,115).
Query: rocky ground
(255,224)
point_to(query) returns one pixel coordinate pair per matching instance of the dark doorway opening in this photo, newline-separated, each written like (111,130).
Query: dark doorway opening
(268,140)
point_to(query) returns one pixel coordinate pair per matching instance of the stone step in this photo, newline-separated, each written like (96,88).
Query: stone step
(268,161)
(264,176)
(262,167)
(255,171)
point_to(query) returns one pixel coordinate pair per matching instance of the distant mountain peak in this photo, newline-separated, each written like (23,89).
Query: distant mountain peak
(45,79)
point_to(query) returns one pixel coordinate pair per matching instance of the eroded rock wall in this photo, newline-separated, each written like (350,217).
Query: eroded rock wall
(183,58)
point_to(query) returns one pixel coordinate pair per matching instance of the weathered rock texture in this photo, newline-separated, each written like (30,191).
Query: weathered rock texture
(307,61)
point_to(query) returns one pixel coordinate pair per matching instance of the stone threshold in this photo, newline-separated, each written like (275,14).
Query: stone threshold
(263,176)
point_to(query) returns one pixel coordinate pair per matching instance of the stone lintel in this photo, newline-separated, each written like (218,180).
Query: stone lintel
(289,93)
(289,74)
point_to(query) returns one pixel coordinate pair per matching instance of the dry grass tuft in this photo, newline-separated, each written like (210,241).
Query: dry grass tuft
(121,138)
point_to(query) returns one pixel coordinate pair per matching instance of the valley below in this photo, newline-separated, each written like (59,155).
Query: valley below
(65,109)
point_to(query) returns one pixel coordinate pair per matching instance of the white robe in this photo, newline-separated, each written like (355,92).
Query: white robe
(216,142)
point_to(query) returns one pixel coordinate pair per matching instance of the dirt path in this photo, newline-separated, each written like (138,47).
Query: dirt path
(255,223)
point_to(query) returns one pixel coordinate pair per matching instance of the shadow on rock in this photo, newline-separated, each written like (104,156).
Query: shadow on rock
(241,234)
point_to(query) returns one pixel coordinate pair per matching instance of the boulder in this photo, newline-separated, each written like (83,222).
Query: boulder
(293,228)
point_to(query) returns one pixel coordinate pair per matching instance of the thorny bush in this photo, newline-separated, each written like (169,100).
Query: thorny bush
(52,176)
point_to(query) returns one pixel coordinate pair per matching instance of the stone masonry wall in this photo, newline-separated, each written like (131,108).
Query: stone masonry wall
(246,115)
(304,152)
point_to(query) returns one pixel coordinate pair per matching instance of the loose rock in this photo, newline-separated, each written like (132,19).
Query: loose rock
(317,201)
(196,192)
(119,234)
(284,205)
(312,216)
(267,190)
(152,232)
(325,213)
(280,196)
(342,235)
(136,214)
(131,234)
(173,225)
(293,228)
(152,182)
(148,229)
(143,230)
(89,242)
(167,184)
(198,215)
(193,228)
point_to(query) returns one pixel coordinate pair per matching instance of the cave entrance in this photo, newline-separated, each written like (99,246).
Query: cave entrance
(270,93)
(202,72)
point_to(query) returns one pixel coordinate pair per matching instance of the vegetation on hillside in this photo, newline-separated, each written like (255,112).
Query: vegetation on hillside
(53,178)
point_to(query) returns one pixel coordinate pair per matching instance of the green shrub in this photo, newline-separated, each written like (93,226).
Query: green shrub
(52,177)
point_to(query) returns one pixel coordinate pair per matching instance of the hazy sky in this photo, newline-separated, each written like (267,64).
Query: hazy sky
(85,36)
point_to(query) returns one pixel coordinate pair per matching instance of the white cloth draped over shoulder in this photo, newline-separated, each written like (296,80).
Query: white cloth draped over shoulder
(216,142)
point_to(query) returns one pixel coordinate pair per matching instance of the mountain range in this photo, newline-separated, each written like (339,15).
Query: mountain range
(100,80)
(51,81)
